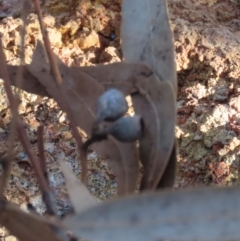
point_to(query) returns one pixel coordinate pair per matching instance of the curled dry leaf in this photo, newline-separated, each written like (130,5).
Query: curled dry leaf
(84,103)
(168,177)
(82,93)
(124,77)
(30,83)
(154,101)
(25,226)
(78,193)
(211,214)
(148,39)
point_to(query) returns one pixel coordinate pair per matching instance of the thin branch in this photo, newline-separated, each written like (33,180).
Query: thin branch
(54,68)
(42,159)
(22,135)
(82,153)
(48,195)
(16,99)
(46,191)
(58,79)
(7,162)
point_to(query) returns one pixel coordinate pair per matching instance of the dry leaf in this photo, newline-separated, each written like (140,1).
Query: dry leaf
(82,92)
(121,157)
(147,38)
(155,103)
(25,226)
(29,83)
(124,77)
(168,177)
(79,195)
(88,87)
(199,214)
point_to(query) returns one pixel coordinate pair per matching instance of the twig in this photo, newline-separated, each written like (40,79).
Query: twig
(23,137)
(16,99)
(42,159)
(7,162)
(82,154)
(48,195)
(54,68)
(93,139)
(59,82)
(24,13)
(46,191)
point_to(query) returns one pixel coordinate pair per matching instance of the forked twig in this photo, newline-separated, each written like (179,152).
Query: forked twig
(24,140)
(48,196)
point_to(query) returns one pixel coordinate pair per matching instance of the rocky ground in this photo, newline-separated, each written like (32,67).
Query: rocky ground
(84,32)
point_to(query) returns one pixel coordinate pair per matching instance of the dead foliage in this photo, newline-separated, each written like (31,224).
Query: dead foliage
(93,99)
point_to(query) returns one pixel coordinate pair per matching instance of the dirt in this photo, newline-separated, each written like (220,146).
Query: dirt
(81,35)
(207,44)
(207,55)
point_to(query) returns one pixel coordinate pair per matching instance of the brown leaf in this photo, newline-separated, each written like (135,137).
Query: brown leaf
(148,39)
(184,215)
(82,93)
(155,103)
(168,177)
(29,82)
(157,144)
(25,226)
(124,77)
(85,102)
(78,193)
(124,164)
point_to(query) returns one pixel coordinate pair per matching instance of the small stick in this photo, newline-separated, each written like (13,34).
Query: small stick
(54,68)
(23,137)
(42,159)
(48,195)
(7,162)
(83,154)
(58,79)
(13,100)
(46,191)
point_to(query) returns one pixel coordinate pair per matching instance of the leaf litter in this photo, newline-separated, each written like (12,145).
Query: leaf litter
(83,96)
(207,214)
(150,154)
(148,76)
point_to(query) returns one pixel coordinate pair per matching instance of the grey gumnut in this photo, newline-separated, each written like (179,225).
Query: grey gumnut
(127,129)
(111,105)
